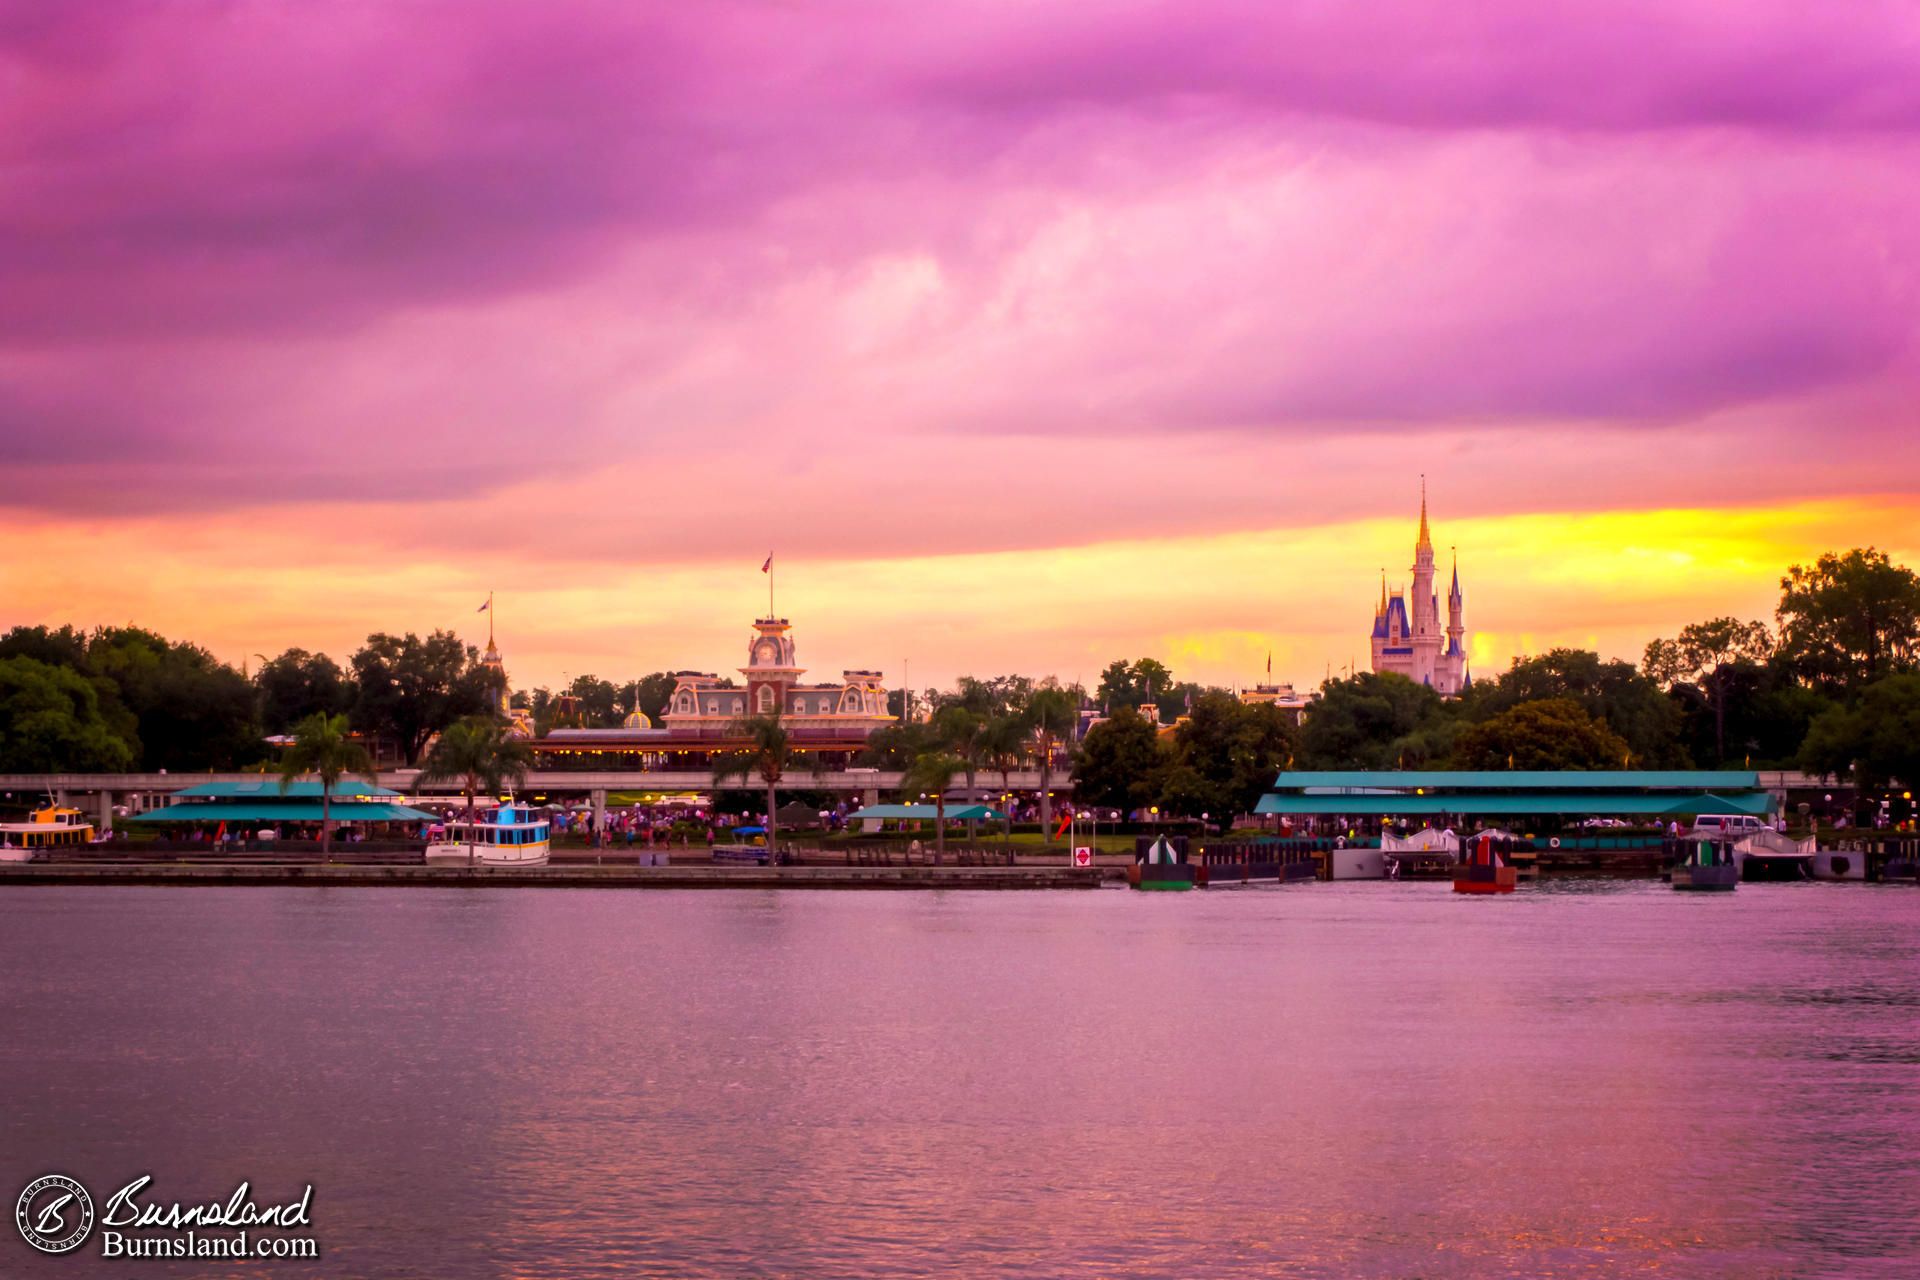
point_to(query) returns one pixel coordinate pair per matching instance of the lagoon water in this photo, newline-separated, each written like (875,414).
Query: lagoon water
(1591,1078)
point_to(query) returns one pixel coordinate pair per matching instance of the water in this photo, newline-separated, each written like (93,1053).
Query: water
(1587,1079)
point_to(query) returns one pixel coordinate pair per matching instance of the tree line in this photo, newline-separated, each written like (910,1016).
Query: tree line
(125,698)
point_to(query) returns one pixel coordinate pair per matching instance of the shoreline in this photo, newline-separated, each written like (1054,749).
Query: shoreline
(562,876)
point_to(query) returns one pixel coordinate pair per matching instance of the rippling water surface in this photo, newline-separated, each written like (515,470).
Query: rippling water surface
(1587,1079)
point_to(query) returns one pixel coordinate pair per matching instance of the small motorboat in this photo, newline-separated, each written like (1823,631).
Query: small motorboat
(1484,871)
(1768,855)
(1706,863)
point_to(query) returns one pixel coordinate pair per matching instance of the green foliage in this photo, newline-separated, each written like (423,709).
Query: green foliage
(1849,620)
(894,746)
(321,746)
(1551,733)
(1877,740)
(296,684)
(649,694)
(410,689)
(596,702)
(1631,704)
(1710,656)
(478,753)
(192,710)
(1004,740)
(1362,722)
(1121,763)
(1051,713)
(50,722)
(1225,756)
(994,696)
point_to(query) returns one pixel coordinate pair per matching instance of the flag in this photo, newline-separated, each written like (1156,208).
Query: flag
(487,605)
(1269,664)
(768,566)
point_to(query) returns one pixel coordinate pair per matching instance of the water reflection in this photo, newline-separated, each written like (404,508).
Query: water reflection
(1378,1080)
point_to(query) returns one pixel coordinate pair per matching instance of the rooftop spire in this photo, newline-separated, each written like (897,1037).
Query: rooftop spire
(1383,594)
(1455,593)
(1426,542)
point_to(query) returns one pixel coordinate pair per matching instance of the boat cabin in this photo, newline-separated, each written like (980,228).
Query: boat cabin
(49,828)
(510,824)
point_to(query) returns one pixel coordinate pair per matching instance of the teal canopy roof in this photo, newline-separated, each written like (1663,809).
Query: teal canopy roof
(964,812)
(1395,804)
(1526,780)
(268,788)
(285,811)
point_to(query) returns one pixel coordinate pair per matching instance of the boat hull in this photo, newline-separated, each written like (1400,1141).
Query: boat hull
(1161,878)
(461,854)
(1724,878)
(1484,880)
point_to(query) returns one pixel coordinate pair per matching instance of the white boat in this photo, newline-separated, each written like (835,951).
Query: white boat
(50,828)
(509,836)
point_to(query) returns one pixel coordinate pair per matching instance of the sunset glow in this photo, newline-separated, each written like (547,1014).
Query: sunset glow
(1024,337)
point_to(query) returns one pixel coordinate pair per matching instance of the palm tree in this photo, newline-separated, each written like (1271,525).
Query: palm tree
(930,773)
(769,752)
(1050,714)
(478,753)
(321,747)
(963,733)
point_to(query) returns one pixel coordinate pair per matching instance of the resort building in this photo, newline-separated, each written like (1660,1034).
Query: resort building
(1407,637)
(829,721)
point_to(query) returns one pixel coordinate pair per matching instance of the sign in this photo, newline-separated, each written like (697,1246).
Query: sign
(1082,856)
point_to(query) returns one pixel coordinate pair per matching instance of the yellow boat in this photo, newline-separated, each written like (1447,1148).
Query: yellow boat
(47,828)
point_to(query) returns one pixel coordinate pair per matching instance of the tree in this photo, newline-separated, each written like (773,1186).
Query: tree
(1877,740)
(50,722)
(1360,722)
(894,746)
(961,733)
(1133,684)
(994,696)
(1849,620)
(1633,706)
(477,753)
(1226,755)
(650,694)
(321,747)
(595,702)
(193,711)
(296,684)
(1050,715)
(1121,763)
(930,774)
(1706,654)
(411,688)
(1004,739)
(67,648)
(769,753)
(1552,733)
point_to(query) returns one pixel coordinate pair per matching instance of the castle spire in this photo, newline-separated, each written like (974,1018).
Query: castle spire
(1426,542)
(1454,594)
(1383,594)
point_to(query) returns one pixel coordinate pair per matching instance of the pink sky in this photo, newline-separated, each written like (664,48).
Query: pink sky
(1026,335)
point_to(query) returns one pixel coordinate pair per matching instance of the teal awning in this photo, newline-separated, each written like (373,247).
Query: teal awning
(268,787)
(965,812)
(291,811)
(1525,779)
(1376,804)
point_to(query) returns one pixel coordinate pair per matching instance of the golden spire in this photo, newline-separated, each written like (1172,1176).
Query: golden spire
(1426,542)
(1383,594)
(489,619)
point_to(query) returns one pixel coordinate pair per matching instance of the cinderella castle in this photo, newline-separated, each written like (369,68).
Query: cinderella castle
(1406,630)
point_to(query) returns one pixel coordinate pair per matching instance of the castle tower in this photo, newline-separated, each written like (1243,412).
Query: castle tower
(1407,637)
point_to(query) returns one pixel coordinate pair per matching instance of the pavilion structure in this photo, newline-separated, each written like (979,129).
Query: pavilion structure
(251,803)
(1650,796)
